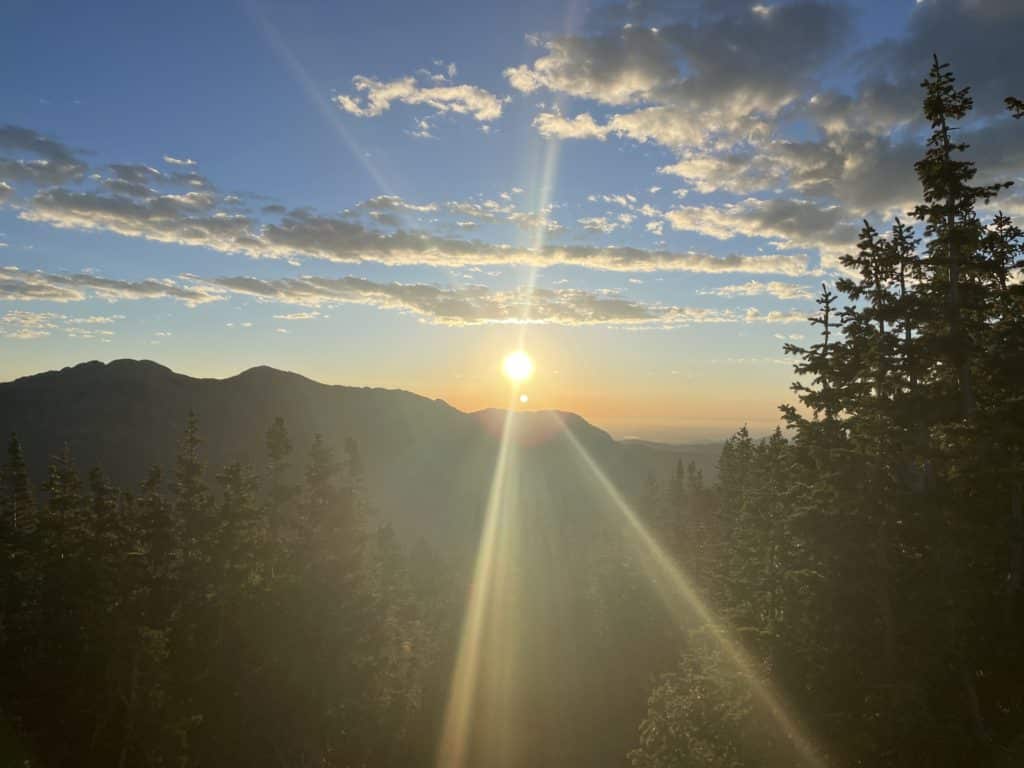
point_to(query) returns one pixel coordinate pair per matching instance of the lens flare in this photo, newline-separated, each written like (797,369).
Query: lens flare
(683,602)
(488,584)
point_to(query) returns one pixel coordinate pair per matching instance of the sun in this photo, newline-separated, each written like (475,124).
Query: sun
(517,366)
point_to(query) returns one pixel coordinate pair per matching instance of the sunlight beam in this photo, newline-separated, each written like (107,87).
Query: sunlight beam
(459,711)
(683,602)
(312,92)
(545,191)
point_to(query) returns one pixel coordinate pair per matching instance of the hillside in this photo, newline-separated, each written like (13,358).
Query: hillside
(428,464)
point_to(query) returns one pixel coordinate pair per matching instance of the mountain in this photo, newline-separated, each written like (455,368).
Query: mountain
(428,465)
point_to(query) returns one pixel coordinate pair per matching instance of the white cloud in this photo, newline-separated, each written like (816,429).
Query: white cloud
(306,234)
(598,224)
(479,305)
(422,129)
(757,316)
(459,305)
(616,69)
(23,325)
(20,285)
(185,209)
(38,160)
(376,97)
(583,126)
(787,223)
(774,288)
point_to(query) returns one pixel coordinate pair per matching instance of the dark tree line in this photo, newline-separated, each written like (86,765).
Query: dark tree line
(266,618)
(873,561)
(259,622)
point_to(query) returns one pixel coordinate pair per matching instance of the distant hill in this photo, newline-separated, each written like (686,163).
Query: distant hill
(429,465)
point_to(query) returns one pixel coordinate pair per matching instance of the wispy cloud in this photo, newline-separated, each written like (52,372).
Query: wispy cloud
(774,288)
(24,325)
(170,160)
(190,219)
(374,97)
(21,285)
(36,159)
(479,305)
(440,305)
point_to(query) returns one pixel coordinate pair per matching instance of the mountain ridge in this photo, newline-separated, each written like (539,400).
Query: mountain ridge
(429,464)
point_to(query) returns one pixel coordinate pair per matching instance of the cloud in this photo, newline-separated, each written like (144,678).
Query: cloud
(388,210)
(598,224)
(610,222)
(376,97)
(774,288)
(22,325)
(479,305)
(553,125)
(186,219)
(19,285)
(453,306)
(980,38)
(775,317)
(722,60)
(422,129)
(737,92)
(613,69)
(27,325)
(386,203)
(189,220)
(787,223)
(140,201)
(493,211)
(95,320)
(135,174)
(179,160)
(42,161)
(333,239)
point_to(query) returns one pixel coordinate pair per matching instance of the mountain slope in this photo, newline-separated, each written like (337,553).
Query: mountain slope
(429,466)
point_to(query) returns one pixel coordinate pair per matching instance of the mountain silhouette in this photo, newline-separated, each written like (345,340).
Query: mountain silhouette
(428,465)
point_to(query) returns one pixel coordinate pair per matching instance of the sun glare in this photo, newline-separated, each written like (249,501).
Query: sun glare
(517,366)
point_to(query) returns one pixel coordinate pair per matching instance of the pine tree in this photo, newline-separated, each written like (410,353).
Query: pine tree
(19,575)
(191,497)
(279,490)
(822,393)
(953,231)
(18,505)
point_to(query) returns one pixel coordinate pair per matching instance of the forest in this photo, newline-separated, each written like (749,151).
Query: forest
(867,560)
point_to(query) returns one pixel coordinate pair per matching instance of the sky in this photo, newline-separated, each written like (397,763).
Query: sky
(645,196)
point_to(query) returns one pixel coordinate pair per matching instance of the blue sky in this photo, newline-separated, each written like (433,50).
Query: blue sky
(381,195)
